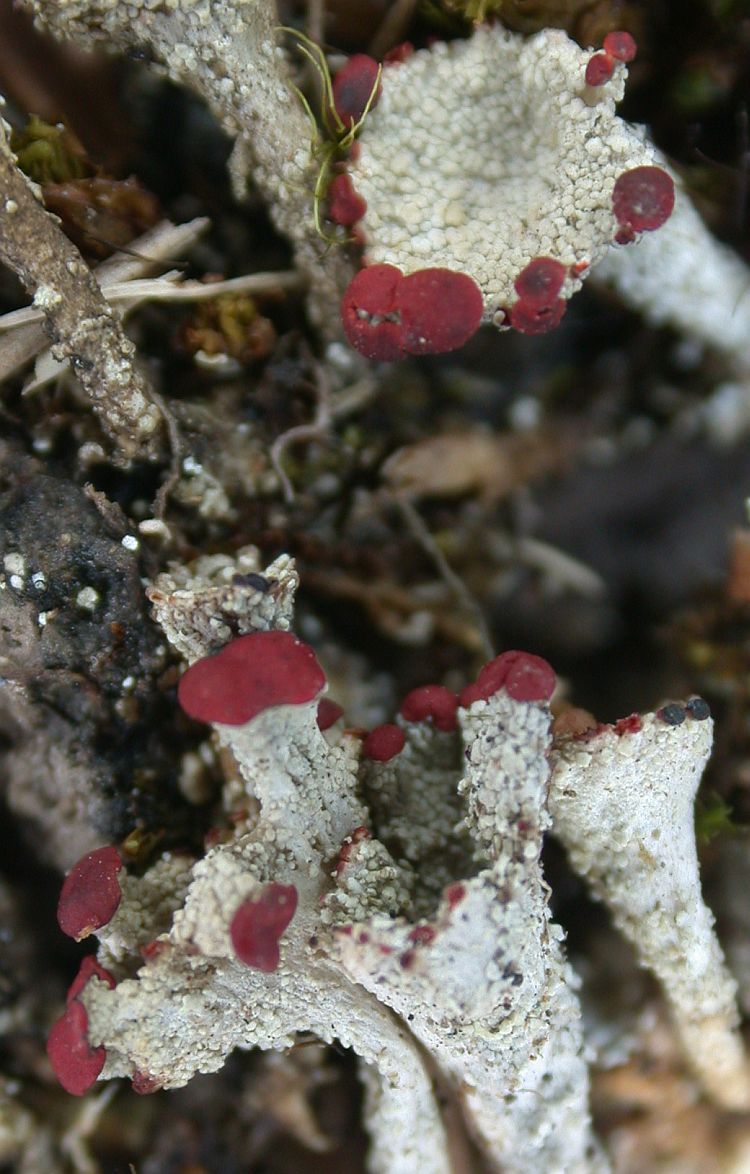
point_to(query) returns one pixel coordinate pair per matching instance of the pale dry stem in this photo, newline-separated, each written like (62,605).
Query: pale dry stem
(82,327)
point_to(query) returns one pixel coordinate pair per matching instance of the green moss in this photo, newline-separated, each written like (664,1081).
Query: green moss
(331,137)
(713,817)
(49,154)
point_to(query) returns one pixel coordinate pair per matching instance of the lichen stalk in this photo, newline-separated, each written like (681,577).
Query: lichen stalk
(622,803)
(80,324)
(298,918)
(489,995)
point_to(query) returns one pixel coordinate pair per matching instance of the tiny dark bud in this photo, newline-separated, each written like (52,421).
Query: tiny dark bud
(698,708)
(251,579)
(673,715)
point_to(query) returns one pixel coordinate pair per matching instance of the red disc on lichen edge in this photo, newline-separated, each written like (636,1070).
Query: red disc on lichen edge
(599,69)
(329,713)
(369,313)
(257,926)
(523,676)
(529,319)
(422,935)
(399,53)
(251,674)
(144,1083)
(89,968)
(345,205)
(643,198)
(539,283)
(90,893)
(628,725)
(352,87)
(440,310)
(620,45)
(383,743)
(77,1065)
(432,703)
(454,894)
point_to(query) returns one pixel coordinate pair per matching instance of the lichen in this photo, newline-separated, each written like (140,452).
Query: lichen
(399,906)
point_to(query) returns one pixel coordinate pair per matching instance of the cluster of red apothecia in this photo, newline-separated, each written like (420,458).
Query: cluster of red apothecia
(387,315)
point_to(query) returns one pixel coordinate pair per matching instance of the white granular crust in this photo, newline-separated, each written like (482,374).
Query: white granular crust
(469,986)
(203,605)
(623,807)
(489,995)
(417,812)
(145,910)
(484,154)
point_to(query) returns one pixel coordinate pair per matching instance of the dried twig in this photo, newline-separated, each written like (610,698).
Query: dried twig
(317,427)
(169,288)
(229,55)
(22,335)
(81,325)
(458,588)
(350,399)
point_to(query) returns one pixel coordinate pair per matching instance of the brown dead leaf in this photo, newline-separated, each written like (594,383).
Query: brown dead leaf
(474,461)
